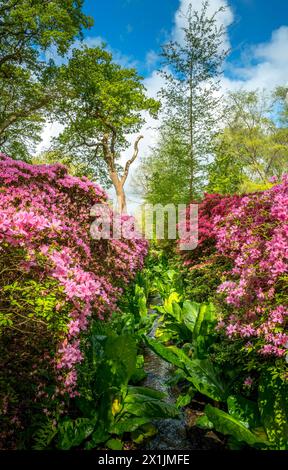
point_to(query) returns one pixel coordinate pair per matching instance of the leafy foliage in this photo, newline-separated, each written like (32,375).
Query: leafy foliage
(28,91)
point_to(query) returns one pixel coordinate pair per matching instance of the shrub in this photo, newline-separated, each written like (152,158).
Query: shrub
(255,236)
(54,279)
(244,239)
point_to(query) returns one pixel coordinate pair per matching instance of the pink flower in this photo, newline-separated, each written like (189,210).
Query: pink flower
(248,382)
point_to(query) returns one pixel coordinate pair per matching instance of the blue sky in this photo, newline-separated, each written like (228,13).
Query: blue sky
(137,27)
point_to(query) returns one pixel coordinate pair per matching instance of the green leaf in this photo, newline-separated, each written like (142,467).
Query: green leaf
(184,400)
(73,432)
(200,318)
(144,405)
(128,424)
(149,392)
(190,311)
(122,351)
(244,410)
(228,425)
(200,373)
(143,433)
(273,406)
(166,353)
(114,444)
(99,436)
(204,423)
(174,297)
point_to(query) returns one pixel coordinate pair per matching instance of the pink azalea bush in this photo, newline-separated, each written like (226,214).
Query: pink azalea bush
(213,205)
(255,236)
(203,267)
(54,277)
(251,233)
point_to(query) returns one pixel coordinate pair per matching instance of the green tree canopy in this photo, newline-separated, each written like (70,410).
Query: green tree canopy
(27,29)
(164,175)
(253,146)
(101,104)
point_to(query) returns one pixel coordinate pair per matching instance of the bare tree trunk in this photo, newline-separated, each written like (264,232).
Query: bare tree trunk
(120,193)
(119,181)
(121,200)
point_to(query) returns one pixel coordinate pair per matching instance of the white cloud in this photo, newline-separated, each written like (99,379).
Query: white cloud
(152,58)
(266,65)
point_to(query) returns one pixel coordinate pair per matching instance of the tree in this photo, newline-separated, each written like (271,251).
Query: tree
(253,146)
(27,29)
(28,26)
(163,174)
(191,70)
(74,168)
(101,103)
(24,103)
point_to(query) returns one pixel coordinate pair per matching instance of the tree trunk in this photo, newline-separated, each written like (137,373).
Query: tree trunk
(121,201)
(191,136)
(120,193)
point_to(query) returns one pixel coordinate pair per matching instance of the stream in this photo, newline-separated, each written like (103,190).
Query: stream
(174,434)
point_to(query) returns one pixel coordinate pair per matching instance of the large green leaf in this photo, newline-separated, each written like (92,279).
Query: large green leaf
(114,444)
(143,405)
(244,410)
(165,352)
(199,320)
(73,432)
(141,301)
(273,405)
(190,311)
(122,351)
(230,426)
(200,373)
(205,379)
(146,431)
(149,392)
(176,311)
(168,304)
(99,436)
(128,423)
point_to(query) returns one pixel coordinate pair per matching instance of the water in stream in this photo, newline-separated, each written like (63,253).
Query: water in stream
(173,434)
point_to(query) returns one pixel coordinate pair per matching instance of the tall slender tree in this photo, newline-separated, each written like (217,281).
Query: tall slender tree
(192,69)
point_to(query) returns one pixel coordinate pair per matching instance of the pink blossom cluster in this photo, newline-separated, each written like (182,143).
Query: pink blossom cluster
(255,236)
(213,207)
(45,219)
(251,232)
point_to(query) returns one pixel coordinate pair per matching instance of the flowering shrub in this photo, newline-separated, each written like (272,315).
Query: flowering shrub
(54,277)
(255,236)
(251,233)
(203,267)
(212,205)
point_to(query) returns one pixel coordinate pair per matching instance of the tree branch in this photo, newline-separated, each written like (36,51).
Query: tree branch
(129,162)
